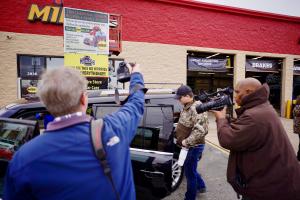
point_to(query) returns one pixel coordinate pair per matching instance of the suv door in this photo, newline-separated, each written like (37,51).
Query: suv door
(151,149)
(13,134)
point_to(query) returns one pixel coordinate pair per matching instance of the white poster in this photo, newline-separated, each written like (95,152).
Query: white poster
(86,31)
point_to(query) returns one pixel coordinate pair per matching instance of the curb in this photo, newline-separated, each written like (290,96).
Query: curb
(225,151)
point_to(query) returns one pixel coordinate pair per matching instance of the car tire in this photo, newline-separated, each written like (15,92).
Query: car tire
(177,174)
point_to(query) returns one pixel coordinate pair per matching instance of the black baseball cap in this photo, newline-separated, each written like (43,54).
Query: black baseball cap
(183,91)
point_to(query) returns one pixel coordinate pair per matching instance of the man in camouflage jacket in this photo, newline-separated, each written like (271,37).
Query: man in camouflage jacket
(194,127)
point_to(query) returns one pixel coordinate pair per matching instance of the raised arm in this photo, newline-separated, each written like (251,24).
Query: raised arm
(124,122)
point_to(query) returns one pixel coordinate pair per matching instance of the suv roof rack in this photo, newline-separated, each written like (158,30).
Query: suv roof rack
(124,92)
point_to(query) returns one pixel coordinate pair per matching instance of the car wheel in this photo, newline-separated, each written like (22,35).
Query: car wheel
(177,174)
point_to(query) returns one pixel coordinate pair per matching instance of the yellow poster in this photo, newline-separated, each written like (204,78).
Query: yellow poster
(90,65)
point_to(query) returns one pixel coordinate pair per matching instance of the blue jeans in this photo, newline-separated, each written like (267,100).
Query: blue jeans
(193,178)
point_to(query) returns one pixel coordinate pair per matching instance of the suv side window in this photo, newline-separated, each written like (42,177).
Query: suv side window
(158,119)
(42,116)
(146,138)
(155,129)
(170,101)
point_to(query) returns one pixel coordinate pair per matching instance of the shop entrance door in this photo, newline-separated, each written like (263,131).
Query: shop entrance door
(209,71)
(208,82)
(296,79)
(267,70)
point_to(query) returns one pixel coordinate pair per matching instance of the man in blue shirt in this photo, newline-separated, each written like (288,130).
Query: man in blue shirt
(60,163)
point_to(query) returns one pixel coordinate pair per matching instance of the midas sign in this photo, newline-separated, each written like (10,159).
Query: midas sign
(32,89)
(52,14)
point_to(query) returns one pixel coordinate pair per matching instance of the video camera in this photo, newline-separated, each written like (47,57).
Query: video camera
(123,73)
(214,101)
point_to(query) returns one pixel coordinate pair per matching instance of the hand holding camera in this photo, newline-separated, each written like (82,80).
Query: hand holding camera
(125,70)
(133,67)
(220,114)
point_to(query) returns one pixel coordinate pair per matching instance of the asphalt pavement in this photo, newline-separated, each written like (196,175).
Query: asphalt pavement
(213,166)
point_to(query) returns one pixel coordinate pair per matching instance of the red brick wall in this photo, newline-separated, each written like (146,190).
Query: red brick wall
(159,22)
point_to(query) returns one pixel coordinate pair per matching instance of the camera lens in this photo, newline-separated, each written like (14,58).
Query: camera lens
(216,104)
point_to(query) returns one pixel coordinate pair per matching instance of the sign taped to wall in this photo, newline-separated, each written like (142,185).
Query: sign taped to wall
(90,65)
(262,65)
(86,31)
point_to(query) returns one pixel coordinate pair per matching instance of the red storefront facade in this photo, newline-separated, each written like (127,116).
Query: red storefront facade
(180,22)
(169,28)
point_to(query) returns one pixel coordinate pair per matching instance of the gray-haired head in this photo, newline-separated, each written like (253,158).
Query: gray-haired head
(61,90)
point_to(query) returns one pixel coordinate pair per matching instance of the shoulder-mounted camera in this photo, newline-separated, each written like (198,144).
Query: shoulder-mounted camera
(214,101)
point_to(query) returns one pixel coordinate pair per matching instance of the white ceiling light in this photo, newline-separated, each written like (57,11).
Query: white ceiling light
(257,58)
(213,55)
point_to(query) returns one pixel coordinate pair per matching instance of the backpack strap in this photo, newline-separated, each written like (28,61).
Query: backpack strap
(96,136)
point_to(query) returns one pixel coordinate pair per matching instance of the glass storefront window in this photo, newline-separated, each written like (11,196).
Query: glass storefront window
(28,88)
(30,68)
(53,63)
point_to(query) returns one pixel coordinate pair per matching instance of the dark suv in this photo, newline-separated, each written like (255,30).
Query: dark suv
(153,153)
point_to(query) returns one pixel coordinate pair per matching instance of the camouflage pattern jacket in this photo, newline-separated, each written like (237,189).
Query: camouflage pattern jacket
(296,115)
(198,122)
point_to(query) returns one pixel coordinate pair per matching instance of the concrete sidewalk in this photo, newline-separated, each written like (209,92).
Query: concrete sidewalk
(287,123)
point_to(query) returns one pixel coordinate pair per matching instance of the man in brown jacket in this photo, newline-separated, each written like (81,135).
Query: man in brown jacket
(262,163)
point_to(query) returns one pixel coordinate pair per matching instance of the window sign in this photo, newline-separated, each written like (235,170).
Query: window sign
(28,88)
(296,69)
(31,66)
(97,83)
(206,64)
(262,65)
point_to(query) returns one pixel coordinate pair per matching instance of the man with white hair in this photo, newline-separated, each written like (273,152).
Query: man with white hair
(61,164)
